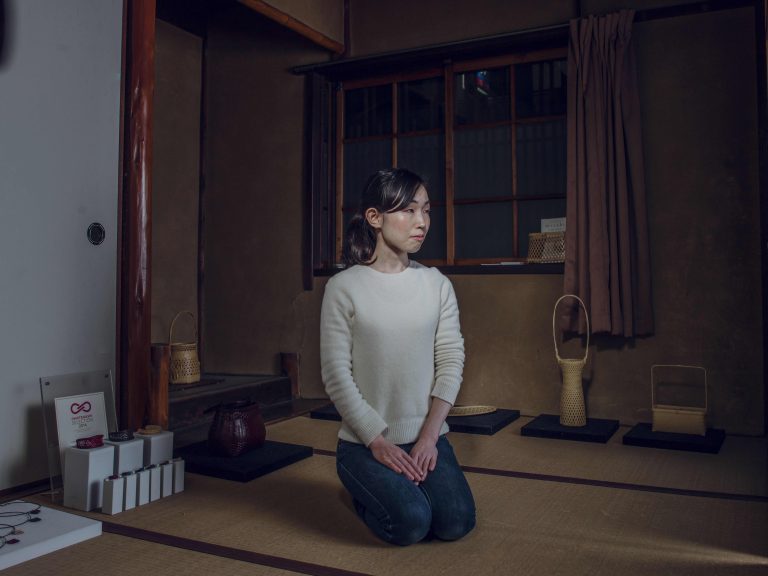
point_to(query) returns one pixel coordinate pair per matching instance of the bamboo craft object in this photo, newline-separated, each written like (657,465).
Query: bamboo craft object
(185,364)
(572,411)
(678,419)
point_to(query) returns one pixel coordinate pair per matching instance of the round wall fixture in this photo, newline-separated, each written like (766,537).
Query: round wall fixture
(96,233)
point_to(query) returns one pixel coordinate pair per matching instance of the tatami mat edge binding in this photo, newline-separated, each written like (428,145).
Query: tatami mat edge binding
(598,483)
(739,471)
(228,552)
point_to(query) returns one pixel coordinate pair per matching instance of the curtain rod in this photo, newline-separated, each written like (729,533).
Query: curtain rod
(497,41)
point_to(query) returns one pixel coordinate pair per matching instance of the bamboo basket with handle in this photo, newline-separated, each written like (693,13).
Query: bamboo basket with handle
(185,363)
(572,410)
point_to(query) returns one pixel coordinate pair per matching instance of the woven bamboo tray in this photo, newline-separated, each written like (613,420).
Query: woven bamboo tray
(470,410)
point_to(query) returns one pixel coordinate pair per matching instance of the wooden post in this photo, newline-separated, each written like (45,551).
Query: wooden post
(135,305)
(761,60)
(290,364)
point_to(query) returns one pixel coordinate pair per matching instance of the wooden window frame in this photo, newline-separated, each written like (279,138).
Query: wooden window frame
(449,128)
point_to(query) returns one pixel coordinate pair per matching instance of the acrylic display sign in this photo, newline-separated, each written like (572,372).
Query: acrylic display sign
(80,416)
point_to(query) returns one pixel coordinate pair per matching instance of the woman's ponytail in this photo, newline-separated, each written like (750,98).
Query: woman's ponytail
(360,242)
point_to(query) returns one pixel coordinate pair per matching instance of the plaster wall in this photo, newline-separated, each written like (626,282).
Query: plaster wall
(253,199)
(59,161)
(697,78)
(175,180)
(387,26)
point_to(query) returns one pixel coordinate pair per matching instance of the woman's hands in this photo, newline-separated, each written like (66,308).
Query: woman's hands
(415,466)
(395,458)
(424,454)
(423,457)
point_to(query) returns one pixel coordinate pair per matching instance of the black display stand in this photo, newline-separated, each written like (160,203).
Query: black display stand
(643,435)
(270,457)
(548,426)
(327,412)
(487,424)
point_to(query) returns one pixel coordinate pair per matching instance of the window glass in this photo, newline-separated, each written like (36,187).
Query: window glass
(368,111)
(425,155)
(481,96)
(540,88)
(483,163)
(541,158)
(361,159)
(420,105)
(484,230)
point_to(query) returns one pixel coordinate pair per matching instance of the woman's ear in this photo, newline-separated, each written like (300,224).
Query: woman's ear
(373,217)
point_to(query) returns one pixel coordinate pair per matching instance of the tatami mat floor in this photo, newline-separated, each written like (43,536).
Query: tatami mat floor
(542,521)
(741,467)
(119,556)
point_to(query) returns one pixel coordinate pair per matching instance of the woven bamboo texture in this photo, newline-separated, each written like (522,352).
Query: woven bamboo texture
(185,363)
(470,410)
(572,409)
(546,247)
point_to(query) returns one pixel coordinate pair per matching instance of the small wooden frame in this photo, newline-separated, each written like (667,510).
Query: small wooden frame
(678,419)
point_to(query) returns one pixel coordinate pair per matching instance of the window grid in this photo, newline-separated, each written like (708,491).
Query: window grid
(449,127)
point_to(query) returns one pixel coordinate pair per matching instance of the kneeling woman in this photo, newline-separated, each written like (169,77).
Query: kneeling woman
(392,358)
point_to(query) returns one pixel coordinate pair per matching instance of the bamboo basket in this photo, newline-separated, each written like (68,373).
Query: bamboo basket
(185,364)
(678,419)
(572,410)
(546,247)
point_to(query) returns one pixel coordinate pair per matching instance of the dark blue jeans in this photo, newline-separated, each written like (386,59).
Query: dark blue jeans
(395,508)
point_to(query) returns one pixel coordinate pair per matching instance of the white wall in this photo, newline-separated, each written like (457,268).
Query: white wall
(59,152)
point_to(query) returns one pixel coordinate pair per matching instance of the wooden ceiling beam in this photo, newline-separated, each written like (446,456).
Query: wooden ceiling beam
(292,23)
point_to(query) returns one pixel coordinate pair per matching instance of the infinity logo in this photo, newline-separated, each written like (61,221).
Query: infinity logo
(76,408)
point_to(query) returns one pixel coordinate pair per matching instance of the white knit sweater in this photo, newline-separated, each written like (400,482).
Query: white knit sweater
(388,343)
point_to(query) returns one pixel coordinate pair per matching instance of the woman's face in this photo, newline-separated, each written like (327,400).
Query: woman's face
(404,231)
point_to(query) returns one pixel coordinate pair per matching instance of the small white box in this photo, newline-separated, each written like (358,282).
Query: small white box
(114,487)
(178,475)
(154,483)
(84,473)
(142,487)
(129,455)
(166,479)
(129,494)
(157,447)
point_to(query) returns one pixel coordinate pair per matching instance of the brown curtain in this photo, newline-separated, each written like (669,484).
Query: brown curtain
(607,257)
